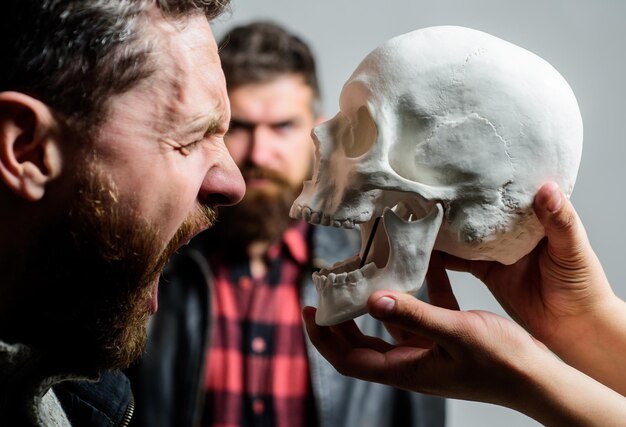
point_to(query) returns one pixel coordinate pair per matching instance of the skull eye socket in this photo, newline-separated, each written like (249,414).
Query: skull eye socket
(363,134)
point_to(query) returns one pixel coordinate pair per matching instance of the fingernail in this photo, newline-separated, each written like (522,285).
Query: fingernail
(383,307)
(554,204)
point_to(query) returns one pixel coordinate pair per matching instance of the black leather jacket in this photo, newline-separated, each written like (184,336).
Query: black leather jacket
(107,402)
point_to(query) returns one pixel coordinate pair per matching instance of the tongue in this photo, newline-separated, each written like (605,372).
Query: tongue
(154,304)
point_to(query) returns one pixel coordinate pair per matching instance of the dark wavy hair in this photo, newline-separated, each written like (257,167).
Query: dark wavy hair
(261,51)
(73,55)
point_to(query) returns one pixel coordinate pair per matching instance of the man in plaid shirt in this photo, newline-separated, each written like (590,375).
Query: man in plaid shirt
(250,363)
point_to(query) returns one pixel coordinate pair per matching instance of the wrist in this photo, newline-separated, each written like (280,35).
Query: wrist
(588,328)
(556,394)
(575,332)
(596,343)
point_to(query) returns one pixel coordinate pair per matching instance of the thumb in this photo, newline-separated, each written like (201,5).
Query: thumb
(409,314)
(566,235)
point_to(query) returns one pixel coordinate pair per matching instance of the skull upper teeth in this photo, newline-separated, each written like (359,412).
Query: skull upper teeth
(316,217)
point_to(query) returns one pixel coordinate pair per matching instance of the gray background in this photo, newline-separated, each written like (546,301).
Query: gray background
(582,39)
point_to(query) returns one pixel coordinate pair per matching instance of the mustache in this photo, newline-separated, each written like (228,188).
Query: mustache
(202,218)
(255,172)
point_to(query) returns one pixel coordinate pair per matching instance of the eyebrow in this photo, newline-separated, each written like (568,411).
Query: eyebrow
(204,124)
(248,125)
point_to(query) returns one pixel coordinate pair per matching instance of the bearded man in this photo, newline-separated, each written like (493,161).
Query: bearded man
(112,117)
(227,347)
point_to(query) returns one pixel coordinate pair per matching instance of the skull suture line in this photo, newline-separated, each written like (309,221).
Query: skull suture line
(447,133)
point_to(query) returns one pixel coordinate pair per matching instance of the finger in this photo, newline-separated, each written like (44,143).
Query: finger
(478,269)
(439,288)
(404,337)
(452,262)
(360,362)
(566,235)
(351,333)
(322,337)
(417,317)
(342,337)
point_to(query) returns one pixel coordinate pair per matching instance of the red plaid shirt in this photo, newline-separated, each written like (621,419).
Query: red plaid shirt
(257,373)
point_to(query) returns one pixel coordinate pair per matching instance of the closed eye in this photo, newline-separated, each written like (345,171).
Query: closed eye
(283,126)
(248,127)
(212,130)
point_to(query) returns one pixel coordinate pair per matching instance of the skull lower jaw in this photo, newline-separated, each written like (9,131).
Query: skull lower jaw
(398,260)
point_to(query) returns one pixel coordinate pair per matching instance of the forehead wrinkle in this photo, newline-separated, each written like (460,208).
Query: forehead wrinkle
(175,56)
(179,117)
(170,82)
(167,80)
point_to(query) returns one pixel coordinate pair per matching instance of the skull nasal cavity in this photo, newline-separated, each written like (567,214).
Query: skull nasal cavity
(363,134)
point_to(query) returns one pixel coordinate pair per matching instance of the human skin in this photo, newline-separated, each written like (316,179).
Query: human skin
(163,144)
(560,294)
(159,156)
(271,127)
(270,135)
(477,355)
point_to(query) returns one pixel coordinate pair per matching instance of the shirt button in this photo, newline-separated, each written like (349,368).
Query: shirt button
(245,283)
(258,406)
(258,345)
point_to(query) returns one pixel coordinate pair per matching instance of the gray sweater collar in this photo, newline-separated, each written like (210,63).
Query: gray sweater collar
(26,394)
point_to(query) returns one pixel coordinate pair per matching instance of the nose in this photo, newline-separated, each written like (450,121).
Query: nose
(261,146)
(223,184)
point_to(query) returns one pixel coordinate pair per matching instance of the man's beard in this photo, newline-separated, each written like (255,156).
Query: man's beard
(262,215)
(89,279)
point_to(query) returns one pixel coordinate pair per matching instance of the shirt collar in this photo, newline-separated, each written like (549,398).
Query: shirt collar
(294,242)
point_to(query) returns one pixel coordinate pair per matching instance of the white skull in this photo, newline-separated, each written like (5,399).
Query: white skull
(447,133)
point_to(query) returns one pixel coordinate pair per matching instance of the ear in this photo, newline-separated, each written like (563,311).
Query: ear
(30,155)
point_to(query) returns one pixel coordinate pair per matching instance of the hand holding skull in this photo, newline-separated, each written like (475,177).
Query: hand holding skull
(477,355)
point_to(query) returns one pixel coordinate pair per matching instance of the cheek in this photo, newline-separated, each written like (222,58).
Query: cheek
(237,148)
(300,158)
(176,199)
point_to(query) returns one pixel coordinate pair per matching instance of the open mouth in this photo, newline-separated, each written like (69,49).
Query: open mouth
(394,254)
(375,241)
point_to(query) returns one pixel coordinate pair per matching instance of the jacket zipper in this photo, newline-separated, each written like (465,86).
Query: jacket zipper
(128,415)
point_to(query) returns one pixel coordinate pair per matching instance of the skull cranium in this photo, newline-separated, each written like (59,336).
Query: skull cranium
(447,133)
